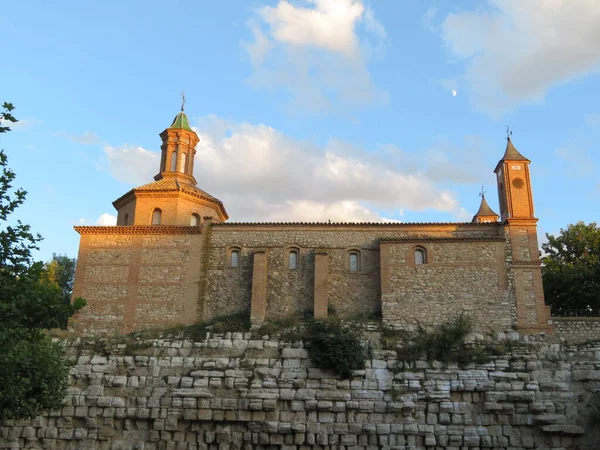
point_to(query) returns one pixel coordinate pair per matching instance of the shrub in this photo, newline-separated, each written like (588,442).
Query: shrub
(36,370)
(335,346)
(446,343)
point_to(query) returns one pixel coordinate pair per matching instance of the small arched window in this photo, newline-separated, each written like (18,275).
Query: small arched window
(156,217)
(420,256)
(354,261)
(234,258)
(182,162)
(126,219)
(293,259)
(194,220)
(173,162)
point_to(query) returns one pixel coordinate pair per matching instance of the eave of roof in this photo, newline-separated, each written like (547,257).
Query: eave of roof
(345,224)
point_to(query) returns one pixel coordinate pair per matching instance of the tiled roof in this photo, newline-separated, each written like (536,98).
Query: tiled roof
(449,238)
(363,224)
(172,184)
(138,229)
(484,209)
(512,154)
(181,122)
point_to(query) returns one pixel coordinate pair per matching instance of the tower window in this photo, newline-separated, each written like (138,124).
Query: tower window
(173,161)
(156,217)
(420,256)
(293,259)
(126,219)
(234,258)
(354,261)
(182,162)
(194,220)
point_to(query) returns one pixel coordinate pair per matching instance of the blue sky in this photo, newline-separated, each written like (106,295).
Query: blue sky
(306,110)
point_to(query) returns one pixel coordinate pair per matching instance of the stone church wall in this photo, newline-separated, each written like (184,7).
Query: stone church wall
(234,391)
(137,277)
(466,273)
(459,276)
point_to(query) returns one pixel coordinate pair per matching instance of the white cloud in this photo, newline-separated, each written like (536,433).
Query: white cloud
(428,18)
(316,53)
(576,162)
(106,219)
(516,50)
(87,138)
(131,164)
(22,124)
(261,174)
(593,120)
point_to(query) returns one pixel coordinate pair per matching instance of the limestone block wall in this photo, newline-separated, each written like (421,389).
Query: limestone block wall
(577,329)
(137,277)
(233,392)
(348,293)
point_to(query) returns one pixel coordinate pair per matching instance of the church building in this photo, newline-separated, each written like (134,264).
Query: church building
(174,258)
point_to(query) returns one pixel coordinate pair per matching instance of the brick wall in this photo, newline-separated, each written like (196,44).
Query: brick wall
(137,277)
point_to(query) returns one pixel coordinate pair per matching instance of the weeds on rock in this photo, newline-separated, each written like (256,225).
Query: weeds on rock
(237,322)
(446,344)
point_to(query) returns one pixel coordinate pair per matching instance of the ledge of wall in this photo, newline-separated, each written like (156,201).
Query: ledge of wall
(577,329)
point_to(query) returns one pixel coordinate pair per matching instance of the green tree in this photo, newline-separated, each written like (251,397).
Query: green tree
(61,270)
(571,268)
(33,369)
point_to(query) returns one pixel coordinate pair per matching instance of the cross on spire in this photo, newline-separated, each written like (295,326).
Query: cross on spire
(182,101)
(482,193)
(508,133)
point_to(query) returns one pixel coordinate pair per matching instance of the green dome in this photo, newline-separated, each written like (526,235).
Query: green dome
(181,122)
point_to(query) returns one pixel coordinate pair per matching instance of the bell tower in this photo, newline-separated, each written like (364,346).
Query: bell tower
(174,197)
(520,224)
(514,185)
(178,150)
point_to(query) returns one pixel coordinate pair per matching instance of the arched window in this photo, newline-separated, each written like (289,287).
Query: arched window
(173,166)
(182,162)
(126,219)
(234,258)
(293,259)
(354,261)
(156,217)
(420,256)
(194,220)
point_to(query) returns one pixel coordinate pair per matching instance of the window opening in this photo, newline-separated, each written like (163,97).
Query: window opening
(293,259)
(354,262)
(156,217)
(235,258)
(419,256)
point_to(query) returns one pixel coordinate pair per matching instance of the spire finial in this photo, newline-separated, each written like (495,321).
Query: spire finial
(182,101)
(508,133)
(482,193)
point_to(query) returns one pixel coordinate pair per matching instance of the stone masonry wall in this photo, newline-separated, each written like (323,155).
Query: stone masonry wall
(233,391)
(459,277)
(348,293)
(141,277)
(577,329)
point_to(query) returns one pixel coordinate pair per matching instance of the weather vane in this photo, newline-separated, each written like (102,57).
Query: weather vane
(482,193)
(508,132)
(182,100)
